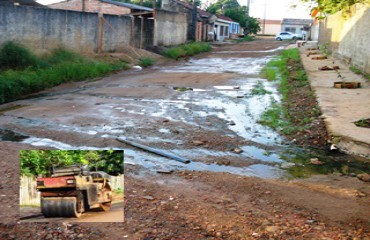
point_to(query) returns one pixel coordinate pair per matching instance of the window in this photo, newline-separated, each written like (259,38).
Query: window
(226,31)
(221,30)
(290,29)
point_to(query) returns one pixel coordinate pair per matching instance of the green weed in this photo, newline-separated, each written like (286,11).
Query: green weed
(259,89)
(245,39)
(146,62)
(22,77)
(186,50)
(16,56)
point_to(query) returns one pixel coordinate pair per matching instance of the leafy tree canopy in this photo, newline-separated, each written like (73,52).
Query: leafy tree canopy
(333,6)
(39,162)
(233,10)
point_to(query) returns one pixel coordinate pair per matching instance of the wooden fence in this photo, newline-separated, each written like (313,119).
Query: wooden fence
(28,195)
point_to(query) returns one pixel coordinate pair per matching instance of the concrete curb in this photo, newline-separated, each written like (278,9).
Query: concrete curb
(340,107)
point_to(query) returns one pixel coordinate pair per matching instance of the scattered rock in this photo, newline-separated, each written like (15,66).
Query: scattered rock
(165,171)
(237,150)
(137,68)
(316,161)
(239,96)
(198,143)
(148,197)
(364,177)
(272,229)
(231,123)
(236,87)
(165,120)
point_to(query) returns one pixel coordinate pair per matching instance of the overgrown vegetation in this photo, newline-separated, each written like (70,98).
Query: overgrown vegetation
(358,71)
(259,89)
(187,50)
(23,73)
(39,162)
(290,117)
(146,62)
(324,48)
(333,6)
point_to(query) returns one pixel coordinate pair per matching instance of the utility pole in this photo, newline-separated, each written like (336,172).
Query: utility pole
(194,18)
(247,27)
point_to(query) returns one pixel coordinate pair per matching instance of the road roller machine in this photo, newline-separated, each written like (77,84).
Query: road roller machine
(72,190)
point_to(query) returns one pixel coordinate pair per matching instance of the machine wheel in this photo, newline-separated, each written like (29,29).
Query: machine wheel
(105,206)
(60,207)
(107,193)
(279,39)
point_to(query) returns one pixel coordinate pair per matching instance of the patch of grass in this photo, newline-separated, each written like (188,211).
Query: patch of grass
(358,71)
(290,118)
(62,55)
(146,62)
(187,50)
(16,56)
(273,117)
(118,191)
(21,78)
(325,50)
(259,89)
(363,123)
(245,39)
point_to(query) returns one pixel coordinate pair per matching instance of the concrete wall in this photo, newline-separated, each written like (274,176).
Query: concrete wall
(170,28)
(44,29)
(349,37)
(91,6)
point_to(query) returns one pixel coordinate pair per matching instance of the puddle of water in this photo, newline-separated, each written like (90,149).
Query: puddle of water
(221,65)
(158,163)
(258,51)
(261,154)
(8,135)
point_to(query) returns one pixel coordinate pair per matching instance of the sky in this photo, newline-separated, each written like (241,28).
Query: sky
(272,9)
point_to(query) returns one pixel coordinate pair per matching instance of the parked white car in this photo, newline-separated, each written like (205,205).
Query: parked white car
(287,36)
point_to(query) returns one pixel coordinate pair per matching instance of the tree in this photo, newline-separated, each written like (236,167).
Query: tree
(39,162)
(333,6)
(233,10)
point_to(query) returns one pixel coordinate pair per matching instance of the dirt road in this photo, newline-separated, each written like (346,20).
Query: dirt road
(202,109)
(115,214)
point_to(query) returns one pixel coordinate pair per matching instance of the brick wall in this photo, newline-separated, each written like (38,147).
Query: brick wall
(91,6)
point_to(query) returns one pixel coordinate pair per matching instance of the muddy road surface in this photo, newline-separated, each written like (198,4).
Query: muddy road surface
(241,181)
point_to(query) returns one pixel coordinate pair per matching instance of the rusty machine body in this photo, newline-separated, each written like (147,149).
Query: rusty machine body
(72,190)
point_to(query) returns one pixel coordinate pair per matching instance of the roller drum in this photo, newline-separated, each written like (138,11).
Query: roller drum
(59,207)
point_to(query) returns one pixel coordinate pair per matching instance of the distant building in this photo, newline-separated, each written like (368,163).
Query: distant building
(296,25)
(225,27)
(209,27)
(103,6)
(269,27)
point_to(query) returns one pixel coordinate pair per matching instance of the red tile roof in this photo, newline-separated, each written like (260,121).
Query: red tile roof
(200,11)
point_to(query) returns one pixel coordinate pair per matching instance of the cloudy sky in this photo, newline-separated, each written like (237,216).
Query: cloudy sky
(272,9)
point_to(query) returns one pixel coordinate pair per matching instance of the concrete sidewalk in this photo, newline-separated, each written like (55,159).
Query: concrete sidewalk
(341,107)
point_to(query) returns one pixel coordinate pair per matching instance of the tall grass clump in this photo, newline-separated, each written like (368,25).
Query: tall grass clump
(31,74)
(187,50)
(146,62)
(16,56)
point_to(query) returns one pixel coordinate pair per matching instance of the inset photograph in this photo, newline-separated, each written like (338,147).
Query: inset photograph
(71,185)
